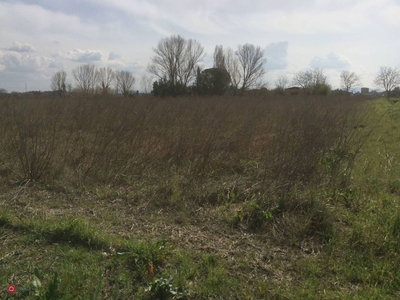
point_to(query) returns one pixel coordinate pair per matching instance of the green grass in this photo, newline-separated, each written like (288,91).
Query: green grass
(213,225)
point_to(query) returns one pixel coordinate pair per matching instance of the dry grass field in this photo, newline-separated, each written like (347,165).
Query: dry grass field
(251,197)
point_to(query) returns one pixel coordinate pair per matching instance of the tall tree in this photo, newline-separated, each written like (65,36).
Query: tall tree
(251,65)
(125,82)
(58,82)
(388,78)
(176,59)
(219,57)
(105,79)
(233,68)
(226,59)
(348,80)
(85,77)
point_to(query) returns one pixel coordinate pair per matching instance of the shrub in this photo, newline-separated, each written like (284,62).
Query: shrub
(164,88)
(214,81)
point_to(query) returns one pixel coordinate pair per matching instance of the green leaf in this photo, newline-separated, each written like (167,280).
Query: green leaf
(36,282)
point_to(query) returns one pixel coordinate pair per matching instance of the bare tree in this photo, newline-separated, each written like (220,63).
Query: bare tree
(251,65)
(282,82)
(349,80)
(193,54)
(146,82)
(245,66)
(85,77)
(105,79)
(387,78)
(314,81)
(233,68)
(176,59)
(319,78)
(125,82)
(303,79)
(219,57)
(226,59)
(58,82)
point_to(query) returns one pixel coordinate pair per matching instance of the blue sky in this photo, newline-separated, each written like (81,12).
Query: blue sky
(41,37)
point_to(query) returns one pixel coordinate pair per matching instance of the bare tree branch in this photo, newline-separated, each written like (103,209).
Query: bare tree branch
(251,65)
(349,80)
(105,79)
(146,82)
(125,82)
(282,82)
(176,59)
(85,77)
(232,66)
(311,80)
(387,78)
(219,57)
(58,82)
(303,79)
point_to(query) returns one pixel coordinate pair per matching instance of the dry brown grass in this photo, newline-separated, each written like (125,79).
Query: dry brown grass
(181,151)
(110,139)
(224,176)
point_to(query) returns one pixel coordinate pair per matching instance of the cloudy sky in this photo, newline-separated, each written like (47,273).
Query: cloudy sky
(41,37)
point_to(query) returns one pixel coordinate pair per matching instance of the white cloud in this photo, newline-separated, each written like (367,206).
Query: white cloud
(302,22)
(56,65)
(19,47)
(114,56)
(33,22)
(136,67)
(17,62)
(116,64)
(276,55)
(173,15)
(126,31)
(198,22)
(331,61)
(84,56)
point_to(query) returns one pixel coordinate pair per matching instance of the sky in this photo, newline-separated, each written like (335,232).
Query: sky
(41,37)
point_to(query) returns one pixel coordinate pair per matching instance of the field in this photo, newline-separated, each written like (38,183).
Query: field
(251,197)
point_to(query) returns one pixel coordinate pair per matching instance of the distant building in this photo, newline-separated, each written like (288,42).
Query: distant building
(293,91)
(364,91)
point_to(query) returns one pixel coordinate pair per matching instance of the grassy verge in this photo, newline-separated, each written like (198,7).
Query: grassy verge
(208,198)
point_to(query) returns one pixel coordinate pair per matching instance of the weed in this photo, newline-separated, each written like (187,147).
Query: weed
(163,289)
(253,216)
(56,288)
(144,259)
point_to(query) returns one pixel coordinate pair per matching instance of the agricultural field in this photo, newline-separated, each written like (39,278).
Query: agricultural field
(248,197)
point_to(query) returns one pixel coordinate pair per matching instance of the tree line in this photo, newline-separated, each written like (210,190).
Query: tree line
(176,66)
(89,79)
